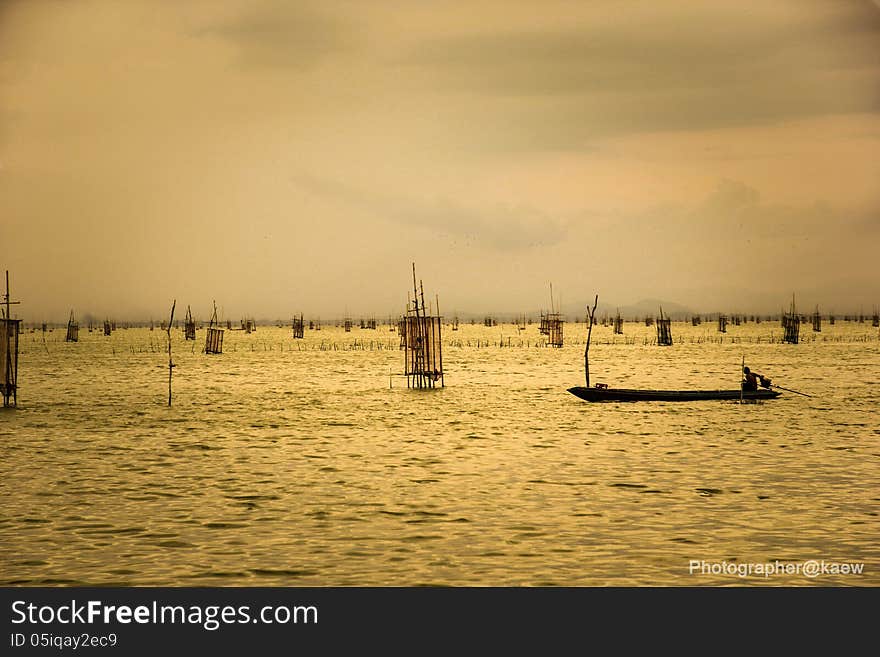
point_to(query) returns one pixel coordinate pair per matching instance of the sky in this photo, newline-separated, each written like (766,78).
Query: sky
(283,156)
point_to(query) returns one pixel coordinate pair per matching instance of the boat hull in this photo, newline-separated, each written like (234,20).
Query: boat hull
(623,394)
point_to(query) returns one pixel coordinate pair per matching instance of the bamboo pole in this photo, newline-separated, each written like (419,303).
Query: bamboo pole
(587,347)
(170,362)
(418,354)
(440,343)
(423,333)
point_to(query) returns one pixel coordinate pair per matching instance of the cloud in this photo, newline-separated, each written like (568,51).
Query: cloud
(496,228)
(688,67)
(285,35)
(503,145)
(729,250)
(734,245)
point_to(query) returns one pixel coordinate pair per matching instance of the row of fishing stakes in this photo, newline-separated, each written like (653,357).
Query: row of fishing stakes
(521,321)
(419,331)
(73,328)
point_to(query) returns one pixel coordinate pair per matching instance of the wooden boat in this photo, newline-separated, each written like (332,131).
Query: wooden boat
(623,394)
(603,393)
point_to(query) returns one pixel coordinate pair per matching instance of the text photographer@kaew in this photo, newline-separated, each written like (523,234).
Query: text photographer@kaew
(810,568)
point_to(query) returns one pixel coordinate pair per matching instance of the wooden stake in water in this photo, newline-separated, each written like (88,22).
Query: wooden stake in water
(170,362)
(440,345)
(587,348)
(741,370)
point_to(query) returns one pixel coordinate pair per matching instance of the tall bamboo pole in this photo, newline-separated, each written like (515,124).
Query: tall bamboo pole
(170,362)
(440,343)
(587,348)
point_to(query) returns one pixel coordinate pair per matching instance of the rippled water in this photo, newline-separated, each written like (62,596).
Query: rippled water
(289,462)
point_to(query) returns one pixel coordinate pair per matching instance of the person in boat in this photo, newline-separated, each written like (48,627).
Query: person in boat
(750,380)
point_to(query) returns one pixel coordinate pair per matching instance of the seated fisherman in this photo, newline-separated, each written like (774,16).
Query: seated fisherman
(750,380)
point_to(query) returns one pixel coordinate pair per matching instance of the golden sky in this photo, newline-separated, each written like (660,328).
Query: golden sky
(283,156)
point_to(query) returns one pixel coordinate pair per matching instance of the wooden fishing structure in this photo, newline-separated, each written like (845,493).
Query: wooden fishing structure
(189,326)
(214,335)
(696,320)
(346,324)
(555,337)
(423,346)
(455,323)
(248,325)
(722,323)
(875,319)
(298,327)
(9,332)
(817,321)
(401,331)
(791,325)
(108,329)
(664,330)
(544,325)
(618,324)
(72,329)
(553,323)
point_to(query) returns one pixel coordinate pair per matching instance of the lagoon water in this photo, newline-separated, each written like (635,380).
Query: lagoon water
(294,462)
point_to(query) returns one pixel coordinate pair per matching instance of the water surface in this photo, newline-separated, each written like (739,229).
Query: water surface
(302,462)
